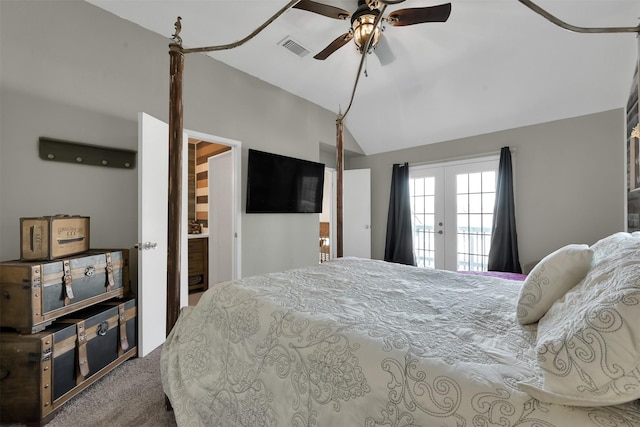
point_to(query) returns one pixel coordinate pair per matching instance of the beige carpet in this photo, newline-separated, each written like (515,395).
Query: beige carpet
(129,396)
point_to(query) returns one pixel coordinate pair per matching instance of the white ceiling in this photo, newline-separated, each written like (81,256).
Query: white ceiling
(493,65)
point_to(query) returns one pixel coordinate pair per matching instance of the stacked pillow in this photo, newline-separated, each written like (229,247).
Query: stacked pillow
(550,279)
(588,344)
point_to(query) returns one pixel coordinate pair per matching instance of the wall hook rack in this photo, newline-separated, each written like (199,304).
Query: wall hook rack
(85,154)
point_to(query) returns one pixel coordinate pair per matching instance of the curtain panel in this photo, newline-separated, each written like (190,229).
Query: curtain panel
(399,241)
(503,254)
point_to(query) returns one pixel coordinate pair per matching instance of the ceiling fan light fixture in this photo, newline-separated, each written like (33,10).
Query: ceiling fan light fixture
(373,4)
(362,26)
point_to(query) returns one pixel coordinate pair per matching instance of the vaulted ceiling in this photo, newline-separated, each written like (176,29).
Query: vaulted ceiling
(494,65)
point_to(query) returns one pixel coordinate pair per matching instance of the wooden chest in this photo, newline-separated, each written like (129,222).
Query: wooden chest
(51,237)
(33,294)
(40,372)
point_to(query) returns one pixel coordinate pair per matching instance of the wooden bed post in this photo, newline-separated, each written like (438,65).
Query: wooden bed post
(175,184)
(339,183)
(176,68)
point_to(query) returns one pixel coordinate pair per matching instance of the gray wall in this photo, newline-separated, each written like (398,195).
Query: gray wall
(73,71)
(569,179)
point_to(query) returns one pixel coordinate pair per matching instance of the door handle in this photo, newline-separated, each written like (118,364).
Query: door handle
(145,246)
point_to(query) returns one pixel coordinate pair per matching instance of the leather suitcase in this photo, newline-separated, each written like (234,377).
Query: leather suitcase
(40,372)
(51,237)
(34,293)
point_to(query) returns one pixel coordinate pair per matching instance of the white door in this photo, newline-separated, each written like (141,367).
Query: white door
(356,223)
(221,218)
(452,213)
(153,173)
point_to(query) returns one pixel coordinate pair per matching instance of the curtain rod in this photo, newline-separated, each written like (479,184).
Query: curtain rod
(460,158)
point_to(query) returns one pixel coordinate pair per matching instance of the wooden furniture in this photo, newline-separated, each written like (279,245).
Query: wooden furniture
(198,263)
(325,248)
(51,237)
(65,324)
(42,371)
(35,293)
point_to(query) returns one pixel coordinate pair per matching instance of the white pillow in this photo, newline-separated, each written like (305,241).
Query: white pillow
(588,344)
(608,245)
(550,279)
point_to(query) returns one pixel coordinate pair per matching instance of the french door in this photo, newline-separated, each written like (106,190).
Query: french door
(452,213)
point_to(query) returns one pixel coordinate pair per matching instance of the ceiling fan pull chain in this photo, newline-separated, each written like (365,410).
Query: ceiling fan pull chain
(366,64)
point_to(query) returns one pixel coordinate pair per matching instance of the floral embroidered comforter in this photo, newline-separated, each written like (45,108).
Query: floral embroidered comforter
(356,342)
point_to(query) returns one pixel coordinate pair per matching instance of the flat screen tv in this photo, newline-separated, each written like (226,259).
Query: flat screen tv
(281,184)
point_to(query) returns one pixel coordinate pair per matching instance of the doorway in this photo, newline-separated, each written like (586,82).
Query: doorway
(214,210)
(452,213)
(153,155)
(356,205)
(200,268)
(327,217)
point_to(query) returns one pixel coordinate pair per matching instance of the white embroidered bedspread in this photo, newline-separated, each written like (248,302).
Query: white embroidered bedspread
(357,342)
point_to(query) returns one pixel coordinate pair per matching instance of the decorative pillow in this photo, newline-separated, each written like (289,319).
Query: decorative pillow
(550,279)
(607,246)
(588,344)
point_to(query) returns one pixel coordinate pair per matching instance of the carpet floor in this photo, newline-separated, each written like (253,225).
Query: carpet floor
(129,396)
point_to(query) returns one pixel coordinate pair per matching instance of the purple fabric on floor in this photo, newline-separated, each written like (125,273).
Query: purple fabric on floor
(500,274)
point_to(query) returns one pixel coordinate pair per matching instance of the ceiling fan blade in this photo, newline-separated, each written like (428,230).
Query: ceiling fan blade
(418,15)
(383,51)
(334,45)
(322,9)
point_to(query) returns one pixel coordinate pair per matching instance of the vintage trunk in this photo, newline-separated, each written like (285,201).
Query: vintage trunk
(42,371)
(51,237)
(36,293)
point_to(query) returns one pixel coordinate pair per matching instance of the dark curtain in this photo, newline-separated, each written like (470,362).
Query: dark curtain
(399,244)
(503,255)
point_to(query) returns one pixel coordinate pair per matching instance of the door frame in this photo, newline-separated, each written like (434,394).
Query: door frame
(236,181)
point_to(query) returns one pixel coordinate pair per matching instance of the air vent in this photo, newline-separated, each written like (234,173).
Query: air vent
(294,46)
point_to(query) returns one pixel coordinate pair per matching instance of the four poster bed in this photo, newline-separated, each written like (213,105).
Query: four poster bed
(371,343)
(363,342)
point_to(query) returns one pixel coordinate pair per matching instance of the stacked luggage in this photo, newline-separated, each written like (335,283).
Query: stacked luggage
(66,317)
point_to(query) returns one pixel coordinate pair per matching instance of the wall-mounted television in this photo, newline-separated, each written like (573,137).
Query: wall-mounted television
(281,184)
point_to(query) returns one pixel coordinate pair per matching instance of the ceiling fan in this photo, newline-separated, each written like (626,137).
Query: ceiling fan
(363,20)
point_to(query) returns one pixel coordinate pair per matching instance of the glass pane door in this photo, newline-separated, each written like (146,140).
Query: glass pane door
(427,221)
(452,213)
(475,198)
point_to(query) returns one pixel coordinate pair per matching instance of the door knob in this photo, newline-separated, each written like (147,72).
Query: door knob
(145,246)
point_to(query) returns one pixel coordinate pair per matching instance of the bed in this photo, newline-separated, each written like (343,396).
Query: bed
(355,342)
